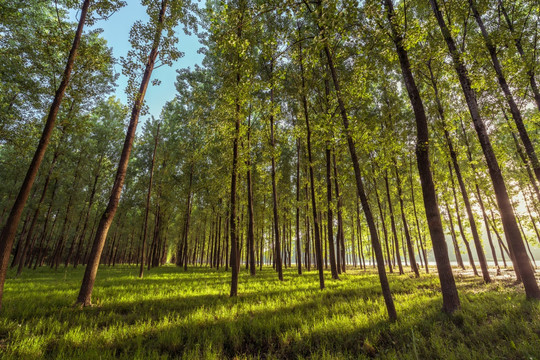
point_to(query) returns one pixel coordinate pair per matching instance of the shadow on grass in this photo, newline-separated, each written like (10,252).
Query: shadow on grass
(173,315)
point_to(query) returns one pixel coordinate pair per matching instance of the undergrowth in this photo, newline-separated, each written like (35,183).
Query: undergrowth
(173,314)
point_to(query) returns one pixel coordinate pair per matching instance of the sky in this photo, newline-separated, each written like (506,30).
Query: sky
(116,32)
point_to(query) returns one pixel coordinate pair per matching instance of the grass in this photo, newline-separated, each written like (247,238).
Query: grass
(172,314)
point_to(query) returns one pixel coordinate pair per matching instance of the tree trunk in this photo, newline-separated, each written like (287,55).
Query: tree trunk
(148,197)
(85,293)
(459,259)
(329,214)
(419,234)
(522,263)
(359,183)
(412,259)
(298,242)
(317,235)
(383,225)
(393,224)
(251,230)
(460,225)
(10,228)
(514,110)
(449,291)
(340,235)
(461,183)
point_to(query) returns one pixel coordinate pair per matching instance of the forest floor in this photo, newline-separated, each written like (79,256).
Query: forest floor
(176,314)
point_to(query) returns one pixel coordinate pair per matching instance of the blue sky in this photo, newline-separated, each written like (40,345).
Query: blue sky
(116,32)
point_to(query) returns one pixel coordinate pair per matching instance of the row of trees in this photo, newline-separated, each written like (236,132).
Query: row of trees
(307,108)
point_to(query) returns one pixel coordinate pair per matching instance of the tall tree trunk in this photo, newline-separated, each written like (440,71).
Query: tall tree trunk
(383,226)
(461,183)
(37,255)
(412,259)
(433,216)
(514,110)
(459,259)
(522,263)
(341,235)
(519,47)
(77,245)
(234,176)
(376,245)
(298,242)
(360,243)
(460,224)
(329,214)
(393,224)
(251,230)
(85,293)
(419,233)
(57,254)
(148,197)
(274,187)
(10,228)
(486,225)
(317,235)
(29,238)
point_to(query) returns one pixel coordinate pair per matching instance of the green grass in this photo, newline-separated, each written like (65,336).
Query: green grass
(189,315)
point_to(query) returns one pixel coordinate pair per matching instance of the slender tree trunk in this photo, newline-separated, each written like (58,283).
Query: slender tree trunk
(459,259)
(376,246)
(274,187)
(39,251)
(85,293)
(514,110)
(460,225)
(10,228)
(317,236)
(341,235)
(360,243)
(412,259)
(298,242)
(383,226)
(393,224)
(461,183)
(486,225)
(234,176)
(148,197)
(29,238)
(251,230)
(77,245)
(329,214)
(522,263)
(419,233)
(499,239)
(519,47)
(449,291)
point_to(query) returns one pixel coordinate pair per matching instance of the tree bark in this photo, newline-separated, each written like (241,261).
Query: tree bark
(376,245)
(251,230)
(10,228)
(449,291)
(85,293)
(329,214)
(514,238)
(393,225)
(148,197)
(317,235)
(461,183)
(412,259)
(514,110)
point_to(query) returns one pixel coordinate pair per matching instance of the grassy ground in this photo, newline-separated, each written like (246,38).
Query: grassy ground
(177,314)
